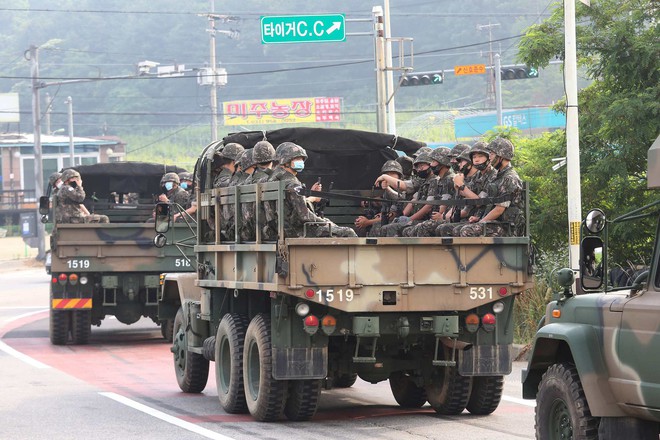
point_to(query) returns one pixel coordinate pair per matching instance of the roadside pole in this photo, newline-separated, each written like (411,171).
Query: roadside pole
(69,102)
(391,112)
(498,88)
(379,52)
(36,127)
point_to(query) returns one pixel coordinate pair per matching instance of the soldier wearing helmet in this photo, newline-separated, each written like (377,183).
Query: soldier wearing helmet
(422,150)
(291,159)
(503,217)
(70,198)
(225,160)
(406,166)
(172,192)
(186,181)
(264,155)
(455,153)
(370,222)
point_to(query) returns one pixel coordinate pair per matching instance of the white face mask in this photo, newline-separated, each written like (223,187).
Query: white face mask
(298,165)
(59,184)
(169,186)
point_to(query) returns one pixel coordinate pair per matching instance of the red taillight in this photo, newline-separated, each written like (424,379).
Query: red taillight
(309,293)
(503,291)
(488,322)
(62,278)
(311,324)
(54,280)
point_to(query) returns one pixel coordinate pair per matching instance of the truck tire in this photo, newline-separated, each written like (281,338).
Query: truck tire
(81,326)
(447,391)
(486,394)
(59,327)
(167,329)
(406,393)
(229,342)
(344,380)
(303,399)
(562,410)
(192,369)
(265,396)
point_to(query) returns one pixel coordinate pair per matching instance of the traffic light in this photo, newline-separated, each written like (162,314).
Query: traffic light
(422,79)
(519,72)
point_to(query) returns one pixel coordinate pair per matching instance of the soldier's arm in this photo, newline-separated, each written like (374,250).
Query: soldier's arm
(75,194)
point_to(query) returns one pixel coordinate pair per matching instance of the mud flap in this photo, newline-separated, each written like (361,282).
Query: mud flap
(485,360)
(300,363)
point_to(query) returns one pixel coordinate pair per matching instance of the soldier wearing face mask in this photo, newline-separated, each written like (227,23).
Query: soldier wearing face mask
(454,153)
(172,192)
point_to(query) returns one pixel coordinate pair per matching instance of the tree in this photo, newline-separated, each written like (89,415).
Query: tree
(618,45)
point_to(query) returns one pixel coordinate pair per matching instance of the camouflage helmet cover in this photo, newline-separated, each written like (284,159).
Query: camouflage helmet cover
(69,174)
(53,178)
(392,166)
(170,177)
(263,152)
(465,155)
(423,158)
(406,164)
(458,150)
(287,151)
(185,175)
(247,159)
(479,147)
(502,147)
(422,150)
(441,155)
(232,151)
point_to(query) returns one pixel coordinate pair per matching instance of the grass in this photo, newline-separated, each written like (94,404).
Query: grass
(528,310)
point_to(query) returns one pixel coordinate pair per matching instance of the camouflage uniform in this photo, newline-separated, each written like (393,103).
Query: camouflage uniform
(69,199)
(372,210)
(507,183)
(177,195)
(231,151)
(263,153)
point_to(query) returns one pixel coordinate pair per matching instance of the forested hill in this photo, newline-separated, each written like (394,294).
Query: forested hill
(102,38)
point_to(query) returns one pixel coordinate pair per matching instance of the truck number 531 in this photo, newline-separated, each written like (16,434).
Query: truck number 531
(481,293)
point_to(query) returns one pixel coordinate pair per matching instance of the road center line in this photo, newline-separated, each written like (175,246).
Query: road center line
(530,403)
(166,417)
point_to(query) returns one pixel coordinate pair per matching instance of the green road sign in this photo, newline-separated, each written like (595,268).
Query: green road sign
(324,28)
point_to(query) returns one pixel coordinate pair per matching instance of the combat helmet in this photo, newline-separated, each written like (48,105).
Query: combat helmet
(392,166)
(502,147)
(441,155)
(423,158)
(458,150)
(232,151)
(185,175)
(406,164)
(247,159)
(170,177)
(287,151)
(422,150)
(479,147)
(465,155)
(69,173)
(53,178)
(263,152)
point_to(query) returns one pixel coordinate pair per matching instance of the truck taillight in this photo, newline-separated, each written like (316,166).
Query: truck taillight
(309,293)
(488,322)
(73,279)
(328,324)
(472,322)
(161,279)
(503,291)
(311,324)
(62,278)
(54,280)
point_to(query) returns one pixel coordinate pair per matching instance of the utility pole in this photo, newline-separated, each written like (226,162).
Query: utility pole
(490,87)
(391,112)
(69,101)
(214,78)
(36,127)
(49,108)
(379,56)
(498,88)
(572,137)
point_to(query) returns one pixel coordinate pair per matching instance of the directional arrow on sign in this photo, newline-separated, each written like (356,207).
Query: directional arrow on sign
(336,25)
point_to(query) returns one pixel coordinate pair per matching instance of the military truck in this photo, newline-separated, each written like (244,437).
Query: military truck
(593,368)
(101,269)
(283,318)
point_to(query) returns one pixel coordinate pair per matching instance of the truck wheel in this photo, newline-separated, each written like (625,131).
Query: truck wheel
(59,327)
(192,369)
(344,381)
(303,399)
(81,326)
(167,329)
(229,343)
(405,391)
(447,391)
(486,394)
(265,396)
(562,410)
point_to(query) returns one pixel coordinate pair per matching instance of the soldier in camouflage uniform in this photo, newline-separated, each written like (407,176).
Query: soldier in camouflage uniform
(370,223)
(226,157)
(291,158)
(186,179)
(419,186)
(263,155)
(508,214)
(406,166)
(454,153)
(442,188)
(172,192)
(422,150)
(70,197)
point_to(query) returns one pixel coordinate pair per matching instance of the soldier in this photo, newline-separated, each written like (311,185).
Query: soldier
(226,159)
(291,158)
(455,152)
(186,179)
(55,183)
(70,196)
(263,156)
(442,188)
(406,166)
(372,221)
(509,213)
(172,192)
(419,186)
(422,150)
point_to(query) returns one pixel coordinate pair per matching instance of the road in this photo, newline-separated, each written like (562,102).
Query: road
(122,385)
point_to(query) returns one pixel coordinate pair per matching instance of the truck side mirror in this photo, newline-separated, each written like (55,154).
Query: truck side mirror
(162,217)
(44,205)
(591,262)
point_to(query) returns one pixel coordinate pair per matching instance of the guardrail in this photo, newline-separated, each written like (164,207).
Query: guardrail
(16,199)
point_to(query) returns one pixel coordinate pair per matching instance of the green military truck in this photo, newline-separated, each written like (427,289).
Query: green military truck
(101,269)
(593,368)
(284,318)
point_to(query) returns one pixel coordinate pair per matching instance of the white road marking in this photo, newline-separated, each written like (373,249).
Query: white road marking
(166,417)
(524,402)
(17,354)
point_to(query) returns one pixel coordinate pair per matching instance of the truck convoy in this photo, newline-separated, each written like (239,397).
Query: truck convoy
(593,368)
(283,318)
(101,269)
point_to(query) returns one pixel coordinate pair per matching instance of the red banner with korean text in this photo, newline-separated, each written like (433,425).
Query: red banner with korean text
(282,111)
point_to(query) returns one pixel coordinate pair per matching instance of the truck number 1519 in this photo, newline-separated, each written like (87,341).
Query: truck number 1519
(78,264)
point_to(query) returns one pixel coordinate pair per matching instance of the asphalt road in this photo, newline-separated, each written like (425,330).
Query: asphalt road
(122,385)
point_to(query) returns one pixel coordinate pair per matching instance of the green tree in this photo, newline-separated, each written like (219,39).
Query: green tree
(618,45)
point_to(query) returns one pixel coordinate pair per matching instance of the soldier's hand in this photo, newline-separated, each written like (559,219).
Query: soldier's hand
(361,222)
(474,219)
(381,182)
(459,179)
(437,217)
(163,198)
(317,186)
